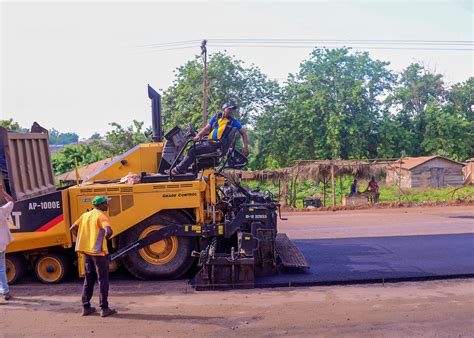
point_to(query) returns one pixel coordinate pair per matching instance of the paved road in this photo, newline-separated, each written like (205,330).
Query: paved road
(377,244)
(379,222)
(377,259)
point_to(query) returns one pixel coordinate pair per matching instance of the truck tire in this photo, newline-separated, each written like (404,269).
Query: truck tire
(167,259)
(52,268)
(16,267)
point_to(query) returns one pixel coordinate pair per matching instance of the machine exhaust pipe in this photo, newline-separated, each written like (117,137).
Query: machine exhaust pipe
(156,120)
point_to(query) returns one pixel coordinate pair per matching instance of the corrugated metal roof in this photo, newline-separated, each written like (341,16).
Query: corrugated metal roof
(84,171)
(412,162)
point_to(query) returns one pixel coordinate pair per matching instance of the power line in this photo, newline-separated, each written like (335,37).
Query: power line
(168,49)
(369,41)
(433,45)
(355,47)
(175,43)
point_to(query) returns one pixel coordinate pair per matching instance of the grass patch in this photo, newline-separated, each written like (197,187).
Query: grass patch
(387,193)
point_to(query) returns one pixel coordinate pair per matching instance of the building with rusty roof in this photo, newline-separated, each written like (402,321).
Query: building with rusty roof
(425,171)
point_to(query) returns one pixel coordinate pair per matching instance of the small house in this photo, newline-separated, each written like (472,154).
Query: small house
(468,171)
(425,171)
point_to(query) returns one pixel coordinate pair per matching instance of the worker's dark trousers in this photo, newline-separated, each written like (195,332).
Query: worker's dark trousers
(96,267)
(198,149)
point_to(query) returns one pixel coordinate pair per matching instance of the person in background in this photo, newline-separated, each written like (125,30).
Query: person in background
(93,230)
(373,190)
(354,188)
(5,239)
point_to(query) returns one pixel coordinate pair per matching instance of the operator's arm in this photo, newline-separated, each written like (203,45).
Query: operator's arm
(203,132)
(245,141)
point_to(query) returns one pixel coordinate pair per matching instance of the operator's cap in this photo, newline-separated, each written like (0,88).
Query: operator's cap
(229,105)
(99,200)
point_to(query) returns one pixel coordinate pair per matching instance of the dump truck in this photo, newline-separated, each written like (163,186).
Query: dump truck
(163,225)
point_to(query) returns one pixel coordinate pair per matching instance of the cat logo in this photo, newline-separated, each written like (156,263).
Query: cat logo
(14,220)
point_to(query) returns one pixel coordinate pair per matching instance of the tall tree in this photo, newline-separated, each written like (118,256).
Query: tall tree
(330,108)
(229,80)
(416,88)
(450,124)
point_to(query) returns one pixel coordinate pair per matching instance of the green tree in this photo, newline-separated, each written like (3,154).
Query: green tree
(228,80)
(450,124)
(56,137)
(461,100)
(63,160)
(415,89)
(95,137)
(12,126)
(446,134)
(329,109)
(427,118)
(121,139)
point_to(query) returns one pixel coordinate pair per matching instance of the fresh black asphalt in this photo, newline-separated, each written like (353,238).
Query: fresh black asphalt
(379,259)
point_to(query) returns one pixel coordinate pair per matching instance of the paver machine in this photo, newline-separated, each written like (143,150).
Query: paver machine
(165,225)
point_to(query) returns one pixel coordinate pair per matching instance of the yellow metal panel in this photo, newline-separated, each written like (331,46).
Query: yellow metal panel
(212,188)
(57,235)
(67,218)
(142,158)
(148,199)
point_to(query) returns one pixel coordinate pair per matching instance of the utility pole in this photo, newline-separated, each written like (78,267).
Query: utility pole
(204,84)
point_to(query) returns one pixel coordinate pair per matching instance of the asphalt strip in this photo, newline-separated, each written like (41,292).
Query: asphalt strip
(371,260)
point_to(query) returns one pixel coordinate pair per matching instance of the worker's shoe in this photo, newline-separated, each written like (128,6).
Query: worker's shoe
(107,312)
(88,311)
(7,296)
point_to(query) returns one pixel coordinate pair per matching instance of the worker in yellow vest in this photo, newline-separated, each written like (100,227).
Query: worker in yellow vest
(93,230)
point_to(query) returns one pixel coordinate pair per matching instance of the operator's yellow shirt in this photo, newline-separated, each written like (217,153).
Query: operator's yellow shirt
(91,233)
(221,126)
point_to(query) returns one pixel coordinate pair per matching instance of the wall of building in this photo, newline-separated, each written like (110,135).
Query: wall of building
(468,172)
(425,174)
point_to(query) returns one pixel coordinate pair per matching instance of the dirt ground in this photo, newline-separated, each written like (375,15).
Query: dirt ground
(174,309)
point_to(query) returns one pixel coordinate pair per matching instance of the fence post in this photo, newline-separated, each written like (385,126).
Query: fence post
(333,185)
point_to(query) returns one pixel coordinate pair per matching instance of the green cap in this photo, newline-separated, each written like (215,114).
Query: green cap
(99,200)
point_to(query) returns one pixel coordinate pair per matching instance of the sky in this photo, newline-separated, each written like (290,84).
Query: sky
(78,66)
